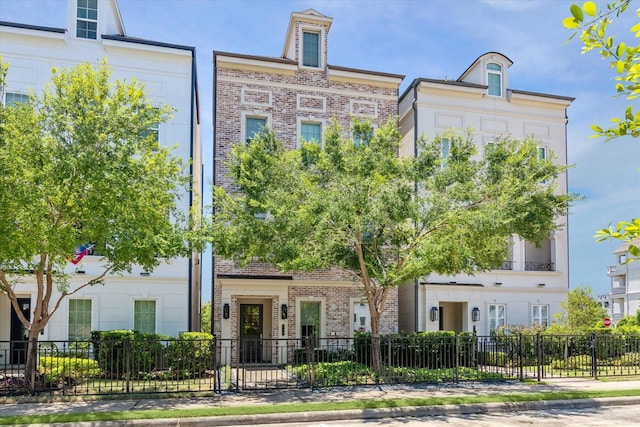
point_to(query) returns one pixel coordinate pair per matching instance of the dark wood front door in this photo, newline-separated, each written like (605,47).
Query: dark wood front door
(251,332)
(19,334)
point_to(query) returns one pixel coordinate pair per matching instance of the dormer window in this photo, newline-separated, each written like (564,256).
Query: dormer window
(87,19)
(494,79)
(310,49)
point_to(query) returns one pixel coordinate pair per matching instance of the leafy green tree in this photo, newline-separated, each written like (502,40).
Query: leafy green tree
(581,312)
(205,317)
(353,204)
(79,166)
(624,57)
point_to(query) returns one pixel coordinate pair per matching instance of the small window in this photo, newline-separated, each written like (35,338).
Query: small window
(497,316)
(254,126)
(11,99)
(310,319)
(362,137)
(144,316)
(361,317)
(542,153)
(87,22)
(310,49)
(540,315)
(153,130)
(489,147)
(311,132)
(446,148)
(79,319)
(494,79)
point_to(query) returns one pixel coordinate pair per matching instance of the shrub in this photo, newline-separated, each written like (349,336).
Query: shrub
(582,362)
(331,374)
(125,351)
(68,369)
(493,358)
(191,353)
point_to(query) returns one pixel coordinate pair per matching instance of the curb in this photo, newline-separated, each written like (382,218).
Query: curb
(360,414)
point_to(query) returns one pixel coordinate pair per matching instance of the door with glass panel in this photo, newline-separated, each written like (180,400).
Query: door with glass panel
(251,322)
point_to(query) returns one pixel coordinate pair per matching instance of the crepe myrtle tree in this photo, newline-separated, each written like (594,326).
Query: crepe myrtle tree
(387,220)
(623,55)
(78,165)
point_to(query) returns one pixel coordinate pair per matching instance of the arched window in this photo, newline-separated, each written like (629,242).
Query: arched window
(494,79)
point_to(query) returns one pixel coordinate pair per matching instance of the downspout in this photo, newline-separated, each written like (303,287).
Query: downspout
(190,325)
(416,285)
(566,185)
(213,167)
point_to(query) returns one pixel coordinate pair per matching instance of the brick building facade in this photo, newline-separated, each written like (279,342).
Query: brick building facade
(297,95)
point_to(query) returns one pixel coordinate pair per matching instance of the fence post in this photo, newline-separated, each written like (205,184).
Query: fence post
(127,364)
(521,356)
(390,344)
(456,355)
(594,361)
(309,347)
(540,354)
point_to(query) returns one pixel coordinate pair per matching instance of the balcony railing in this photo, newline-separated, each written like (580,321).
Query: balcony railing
(506,265)
(539,266)
(619,290)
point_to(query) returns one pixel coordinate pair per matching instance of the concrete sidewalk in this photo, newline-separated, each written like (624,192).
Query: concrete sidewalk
(336,395)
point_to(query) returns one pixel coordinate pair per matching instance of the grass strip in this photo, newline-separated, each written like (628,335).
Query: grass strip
(308,407)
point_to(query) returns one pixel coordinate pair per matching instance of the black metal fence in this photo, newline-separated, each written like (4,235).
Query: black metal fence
(162,366)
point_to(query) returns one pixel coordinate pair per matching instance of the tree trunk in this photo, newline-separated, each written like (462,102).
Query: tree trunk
(376,352)
(32,355)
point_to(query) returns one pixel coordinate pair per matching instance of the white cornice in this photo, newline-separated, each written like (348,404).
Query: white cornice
(363,78)
(255,65)
(303,88)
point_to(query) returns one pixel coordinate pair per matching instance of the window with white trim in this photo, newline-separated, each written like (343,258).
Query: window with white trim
(361,317)
(542,155)
(11,98)
(311,49)
(144,316)
(153,130)
(497,316)
(540,315)
(87,19)
(79,319)
(494,79)
(446,148)
(489,147)
(253,126)
(310,319)
(311,132)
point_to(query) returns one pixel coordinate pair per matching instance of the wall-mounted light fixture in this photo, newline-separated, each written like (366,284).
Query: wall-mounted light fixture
(475,314)
(284,311)
(225,311)
(497,284)
(433,314)
(541,285)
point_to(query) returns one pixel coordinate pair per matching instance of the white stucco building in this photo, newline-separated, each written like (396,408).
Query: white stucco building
(166,301)
(532,282)
(625,283)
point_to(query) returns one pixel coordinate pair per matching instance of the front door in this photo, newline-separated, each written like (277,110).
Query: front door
(19,334)
(251,333)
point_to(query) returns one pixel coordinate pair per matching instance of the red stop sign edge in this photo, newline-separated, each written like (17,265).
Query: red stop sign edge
(606,322)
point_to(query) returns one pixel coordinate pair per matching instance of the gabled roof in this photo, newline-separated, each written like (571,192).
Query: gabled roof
(310,16)
(479,59)
(624,248)
(32,27)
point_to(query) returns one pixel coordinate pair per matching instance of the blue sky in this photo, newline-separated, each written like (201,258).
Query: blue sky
(422,38)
